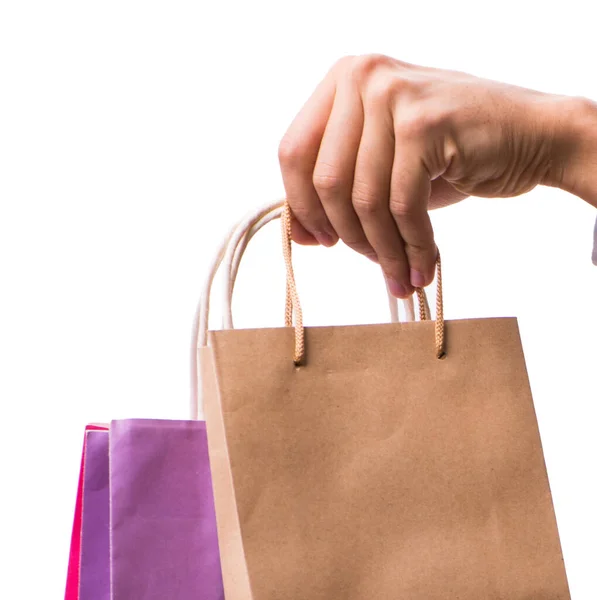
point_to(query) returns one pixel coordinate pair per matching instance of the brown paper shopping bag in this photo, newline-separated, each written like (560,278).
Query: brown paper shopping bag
(374,470)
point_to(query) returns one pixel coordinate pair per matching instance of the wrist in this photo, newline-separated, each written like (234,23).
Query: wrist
(573,165)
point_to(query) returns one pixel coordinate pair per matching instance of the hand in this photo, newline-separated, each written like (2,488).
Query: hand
(380,142)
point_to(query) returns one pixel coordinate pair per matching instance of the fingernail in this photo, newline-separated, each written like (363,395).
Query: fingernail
(325,239)
(417,279)
(397,289)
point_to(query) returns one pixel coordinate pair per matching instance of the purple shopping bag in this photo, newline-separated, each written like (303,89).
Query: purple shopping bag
(89,467)
(94,569)
(147,522)
(163,534)
(94,564)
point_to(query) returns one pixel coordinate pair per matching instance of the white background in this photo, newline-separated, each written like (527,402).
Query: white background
(132,134)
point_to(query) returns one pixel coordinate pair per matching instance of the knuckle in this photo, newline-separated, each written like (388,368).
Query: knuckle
(389,87)
(327,183)
(400,86)
(291,152)
(364,66)
(364,201)
(402,209)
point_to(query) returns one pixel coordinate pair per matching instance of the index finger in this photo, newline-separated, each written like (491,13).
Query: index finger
(298,154)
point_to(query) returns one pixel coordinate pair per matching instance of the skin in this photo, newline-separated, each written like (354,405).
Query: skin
(381,142)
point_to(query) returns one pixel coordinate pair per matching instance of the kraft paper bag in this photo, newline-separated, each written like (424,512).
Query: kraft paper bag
(374,469)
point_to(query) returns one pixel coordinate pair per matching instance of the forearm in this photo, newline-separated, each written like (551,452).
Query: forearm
(574,165)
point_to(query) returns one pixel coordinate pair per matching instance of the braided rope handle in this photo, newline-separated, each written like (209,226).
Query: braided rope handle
(293,306)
